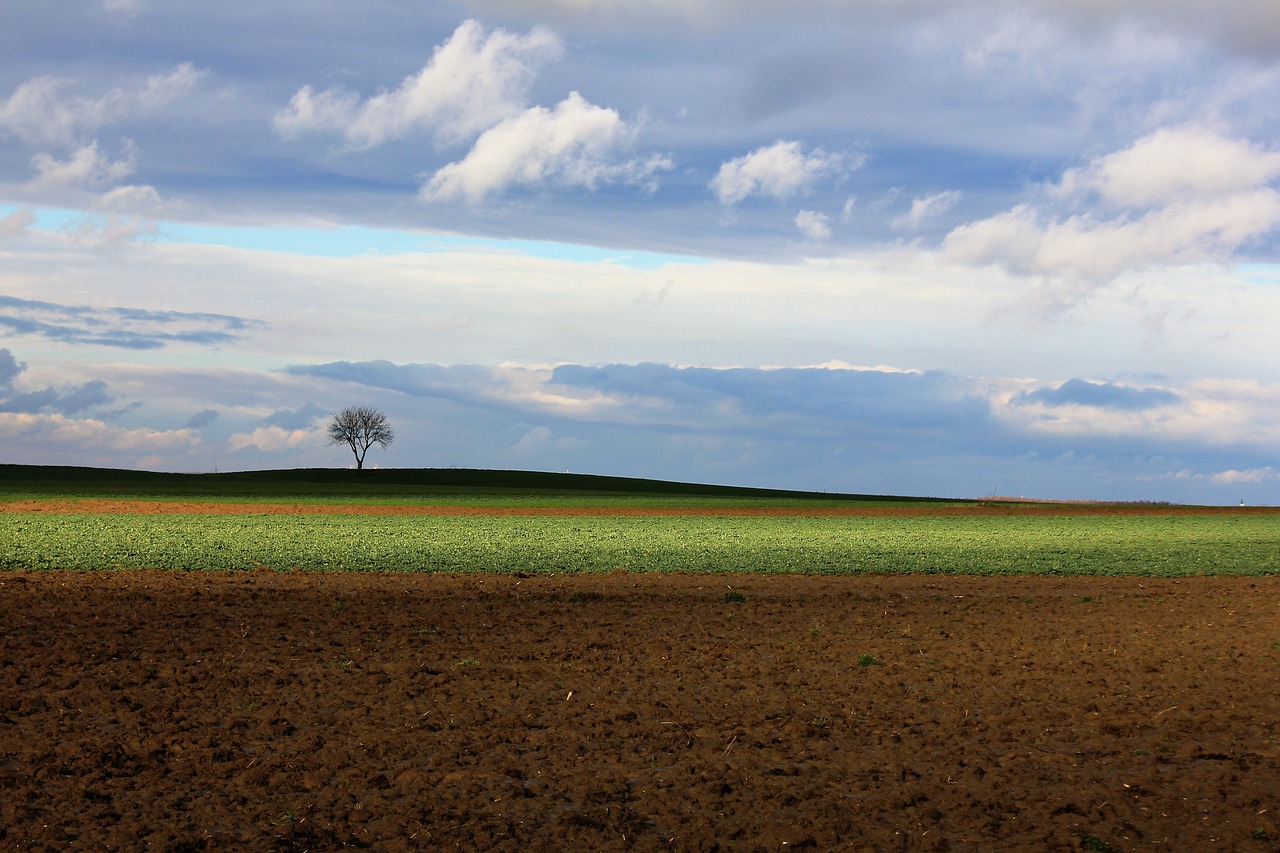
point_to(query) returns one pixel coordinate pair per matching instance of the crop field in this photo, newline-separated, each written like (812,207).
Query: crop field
(1156,546)
(466,521)
(503,661)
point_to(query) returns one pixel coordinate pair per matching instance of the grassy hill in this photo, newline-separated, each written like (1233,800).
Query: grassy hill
(385,484)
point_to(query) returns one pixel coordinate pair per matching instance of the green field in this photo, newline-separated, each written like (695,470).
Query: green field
(1163,546)
(1154,544)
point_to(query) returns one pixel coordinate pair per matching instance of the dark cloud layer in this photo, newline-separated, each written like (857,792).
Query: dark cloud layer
(68,400)
(845,398)
(1101,395)
(837,405)
(303,417)
(467,384)
(876,431)
(122,328)
(202,418)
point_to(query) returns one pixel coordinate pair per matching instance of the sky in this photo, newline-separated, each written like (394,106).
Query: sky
(956,248)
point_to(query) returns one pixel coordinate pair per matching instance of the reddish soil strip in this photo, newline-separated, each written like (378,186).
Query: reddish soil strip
(937,510)
(294,711)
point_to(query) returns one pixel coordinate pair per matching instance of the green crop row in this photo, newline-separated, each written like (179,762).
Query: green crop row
(1153,545)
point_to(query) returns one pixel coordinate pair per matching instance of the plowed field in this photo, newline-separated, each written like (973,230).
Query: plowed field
(305,711)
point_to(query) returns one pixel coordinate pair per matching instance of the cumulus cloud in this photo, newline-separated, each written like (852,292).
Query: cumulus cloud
(476,86)
(927,207)
(473,81)
(55,439)
(87,167)
(1179,195)
(1172,165)
(89,177)
(45,110)
(815,227)
(778,171)
(273,438)
(161,89)
(570,146)
(132,200)
(1250,475)
(41,111)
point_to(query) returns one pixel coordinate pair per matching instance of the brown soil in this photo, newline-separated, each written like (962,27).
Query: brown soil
(283,711)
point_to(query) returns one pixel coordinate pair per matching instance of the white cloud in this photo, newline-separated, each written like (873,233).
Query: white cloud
(476,85)
(568,146)
(40,111)
(1211,412)
(112,231)
(1252,475)
(814,226)
(162,89)
(779,171)
(124,7)
(472,82)
(60,433)
(1176,196)
(87,167)
(44,110)
(90,178)
(132,199)
(272,438)
(927,207)
(1025,240)
(16,223)
(1174,165)
(540,444)
(312,111)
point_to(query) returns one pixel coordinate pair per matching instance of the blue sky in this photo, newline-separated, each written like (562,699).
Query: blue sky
(944,247)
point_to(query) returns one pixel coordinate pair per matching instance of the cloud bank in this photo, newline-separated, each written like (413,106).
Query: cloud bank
(618,237)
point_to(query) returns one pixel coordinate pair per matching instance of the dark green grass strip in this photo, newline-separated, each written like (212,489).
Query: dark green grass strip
(402,486)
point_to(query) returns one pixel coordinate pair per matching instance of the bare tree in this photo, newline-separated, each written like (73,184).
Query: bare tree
(360,427)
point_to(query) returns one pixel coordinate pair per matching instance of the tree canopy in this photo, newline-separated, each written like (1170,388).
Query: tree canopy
(359,428)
